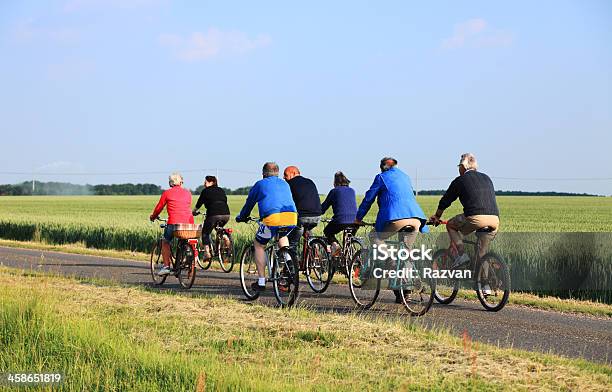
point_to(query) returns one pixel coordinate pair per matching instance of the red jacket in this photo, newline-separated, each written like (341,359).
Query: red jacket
(178,201)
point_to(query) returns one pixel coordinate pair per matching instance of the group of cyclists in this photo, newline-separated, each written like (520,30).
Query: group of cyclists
(291,205)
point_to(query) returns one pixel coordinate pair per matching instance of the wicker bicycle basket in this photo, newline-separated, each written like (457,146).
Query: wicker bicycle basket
(187,231)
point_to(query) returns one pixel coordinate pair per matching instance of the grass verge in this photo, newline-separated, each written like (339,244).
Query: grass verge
(111,337)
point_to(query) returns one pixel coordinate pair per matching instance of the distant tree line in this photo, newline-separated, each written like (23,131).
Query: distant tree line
(64,188)
(238,191)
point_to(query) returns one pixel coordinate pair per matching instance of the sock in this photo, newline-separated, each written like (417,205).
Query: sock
(261,281)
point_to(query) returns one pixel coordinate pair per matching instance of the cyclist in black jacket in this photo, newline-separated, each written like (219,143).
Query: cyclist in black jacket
(217,211)
(307,201)
(476,193)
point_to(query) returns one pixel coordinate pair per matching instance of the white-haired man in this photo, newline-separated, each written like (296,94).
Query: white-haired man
(477,195)
(177,201)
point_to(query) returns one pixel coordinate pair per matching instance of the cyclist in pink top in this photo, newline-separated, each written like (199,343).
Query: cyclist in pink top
(177,201)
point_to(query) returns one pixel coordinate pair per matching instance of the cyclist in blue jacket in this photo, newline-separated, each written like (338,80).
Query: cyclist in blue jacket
(397,205)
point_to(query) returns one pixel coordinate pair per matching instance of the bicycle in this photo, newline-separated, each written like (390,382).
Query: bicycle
(282,270)
(184,256)
(348,248)
(416,292)
(490,270)
(315,262)
(221,248)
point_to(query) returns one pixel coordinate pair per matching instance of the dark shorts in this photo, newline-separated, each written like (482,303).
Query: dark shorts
(168,231)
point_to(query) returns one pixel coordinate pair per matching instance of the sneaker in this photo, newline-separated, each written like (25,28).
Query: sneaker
(256,287)
(486,290)
(398,296)
(460,260)
(206,253)
(164,271)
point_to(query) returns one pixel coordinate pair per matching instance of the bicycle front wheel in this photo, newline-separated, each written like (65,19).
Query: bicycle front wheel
(493,282)
(225,252)
(285,277)
(186,265)
(318,266)
(446,288)
(417,292)
(248,272)
(157,262)
(364,287)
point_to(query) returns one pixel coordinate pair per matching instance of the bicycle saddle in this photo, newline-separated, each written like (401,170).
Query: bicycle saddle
(406,229)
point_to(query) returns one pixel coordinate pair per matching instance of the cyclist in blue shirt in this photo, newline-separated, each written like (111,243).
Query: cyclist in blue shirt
(397,206)
(277,213)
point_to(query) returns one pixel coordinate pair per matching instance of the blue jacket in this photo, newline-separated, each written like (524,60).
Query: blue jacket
(342,200)
(395,199)
(274,201)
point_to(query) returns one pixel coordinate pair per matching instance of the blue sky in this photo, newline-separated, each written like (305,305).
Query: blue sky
(92,86)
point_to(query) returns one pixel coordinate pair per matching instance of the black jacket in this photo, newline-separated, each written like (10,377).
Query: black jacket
(215,201)
(475,192)
(305,196)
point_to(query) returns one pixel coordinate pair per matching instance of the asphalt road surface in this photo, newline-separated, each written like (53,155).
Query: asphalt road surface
(519,327)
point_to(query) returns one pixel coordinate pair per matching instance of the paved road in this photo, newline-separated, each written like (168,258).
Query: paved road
(518,327)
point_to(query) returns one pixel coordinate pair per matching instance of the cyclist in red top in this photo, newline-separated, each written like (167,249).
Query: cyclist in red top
(177,201)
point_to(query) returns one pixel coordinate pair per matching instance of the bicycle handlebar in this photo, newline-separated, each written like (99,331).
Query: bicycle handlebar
(249,219)
(365,224)
(431,223)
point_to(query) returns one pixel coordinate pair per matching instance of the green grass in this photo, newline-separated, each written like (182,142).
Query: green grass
(120,223)
(110,337)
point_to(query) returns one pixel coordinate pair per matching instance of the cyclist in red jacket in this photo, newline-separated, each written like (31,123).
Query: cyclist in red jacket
(177,201)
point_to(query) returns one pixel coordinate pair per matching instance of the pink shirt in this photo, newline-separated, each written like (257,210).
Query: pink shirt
(178,204)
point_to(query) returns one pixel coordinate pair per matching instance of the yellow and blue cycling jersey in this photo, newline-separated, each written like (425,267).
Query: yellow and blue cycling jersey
(274,201)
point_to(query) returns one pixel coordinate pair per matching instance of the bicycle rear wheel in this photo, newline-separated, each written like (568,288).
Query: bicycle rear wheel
(364,287)
(225,252)
(318,266)
(417,293)
(204,264)
(186,266)
(285,277)
(157,262)
(446,288)
(493,276)
(248,272)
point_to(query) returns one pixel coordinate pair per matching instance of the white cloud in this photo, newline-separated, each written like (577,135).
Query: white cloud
(29,31)
(71,69)
(476,32)
(203,46)
(79,5)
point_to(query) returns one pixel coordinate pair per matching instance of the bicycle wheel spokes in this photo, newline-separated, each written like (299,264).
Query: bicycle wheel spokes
(318,266)
(225,252)
(364,287)
(187,271)
(446,288)
(493,282)
(417,292)
(157,262)
(285,278)
(204,263)
(248,272)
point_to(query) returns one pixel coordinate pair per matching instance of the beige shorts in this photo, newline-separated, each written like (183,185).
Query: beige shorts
(469,224)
